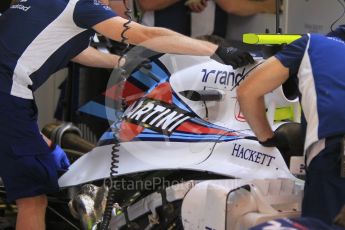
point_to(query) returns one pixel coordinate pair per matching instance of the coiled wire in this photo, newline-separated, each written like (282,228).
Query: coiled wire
(340,17)
(122,73)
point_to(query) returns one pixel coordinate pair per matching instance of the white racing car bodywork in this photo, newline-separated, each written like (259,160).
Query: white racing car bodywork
(239,158)
(223,204)
(240,204)
(166,130)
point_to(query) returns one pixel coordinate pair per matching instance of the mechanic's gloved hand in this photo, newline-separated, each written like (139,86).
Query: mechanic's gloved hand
(232,56)
(289,139)
(279,140)
(60,158)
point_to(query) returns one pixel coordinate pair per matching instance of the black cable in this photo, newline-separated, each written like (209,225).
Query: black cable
(278,30)
(340,17)
(122,73)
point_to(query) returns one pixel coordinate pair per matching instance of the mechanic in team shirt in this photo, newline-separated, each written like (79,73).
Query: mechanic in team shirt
(37,38)
(316,63)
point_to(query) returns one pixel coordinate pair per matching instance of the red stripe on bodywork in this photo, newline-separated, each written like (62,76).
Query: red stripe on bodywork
(128,131)
(163,93)
(130,92)
(190,127)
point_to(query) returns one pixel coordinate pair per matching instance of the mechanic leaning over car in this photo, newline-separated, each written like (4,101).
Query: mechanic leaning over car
(316,63)
(37,38)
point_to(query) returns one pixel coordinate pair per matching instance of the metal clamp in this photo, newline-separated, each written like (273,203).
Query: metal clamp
(61,130)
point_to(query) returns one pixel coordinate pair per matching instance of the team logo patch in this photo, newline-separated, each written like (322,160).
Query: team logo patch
(155,112)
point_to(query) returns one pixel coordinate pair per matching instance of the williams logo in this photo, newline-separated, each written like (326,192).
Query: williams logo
(156,115)
(223,77)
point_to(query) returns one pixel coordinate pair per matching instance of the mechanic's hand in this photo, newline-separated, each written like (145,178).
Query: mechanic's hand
(232,56)
(279,140)
(196,6)
(289,139)
(60,158)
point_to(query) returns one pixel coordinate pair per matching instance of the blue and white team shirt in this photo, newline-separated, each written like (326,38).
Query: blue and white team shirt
(39,37)
(319,62)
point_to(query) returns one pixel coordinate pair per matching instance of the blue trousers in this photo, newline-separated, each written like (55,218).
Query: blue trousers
(27,166)
(324,192)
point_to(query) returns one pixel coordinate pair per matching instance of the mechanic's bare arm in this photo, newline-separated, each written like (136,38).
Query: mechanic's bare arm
(155,38)
(149,5)
(119,7)
(247,7)
(95,58)
(264,79)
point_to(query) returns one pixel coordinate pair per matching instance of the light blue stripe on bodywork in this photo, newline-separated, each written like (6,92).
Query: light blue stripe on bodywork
(179,104)
(154,135)
(158,72)
(182,139)
(186,137)
(107,136)
(144,79)
(149,81)
(98,110)
(183,134)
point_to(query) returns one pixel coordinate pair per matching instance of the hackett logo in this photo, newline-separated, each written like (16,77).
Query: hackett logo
(251,155)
